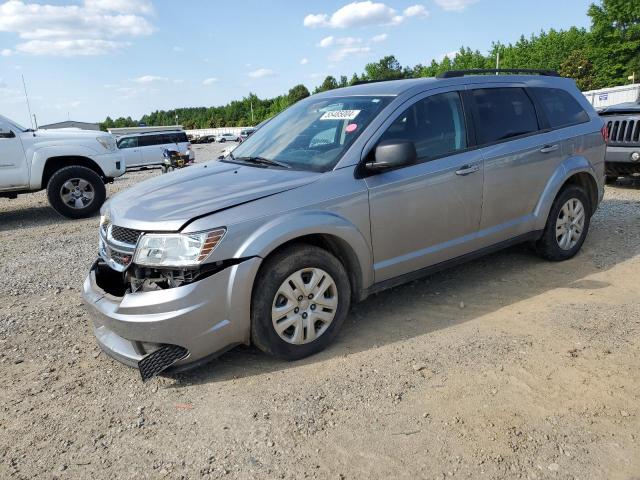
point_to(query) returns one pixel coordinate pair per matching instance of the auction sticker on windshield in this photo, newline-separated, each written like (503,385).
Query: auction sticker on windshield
(340,115)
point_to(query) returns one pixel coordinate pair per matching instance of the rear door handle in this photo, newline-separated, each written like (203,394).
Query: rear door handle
(467,169)
(549,148)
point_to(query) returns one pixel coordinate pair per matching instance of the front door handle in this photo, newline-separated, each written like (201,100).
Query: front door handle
(549,148)
(467,169)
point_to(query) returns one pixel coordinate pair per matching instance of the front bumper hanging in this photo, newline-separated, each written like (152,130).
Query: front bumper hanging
(159,360)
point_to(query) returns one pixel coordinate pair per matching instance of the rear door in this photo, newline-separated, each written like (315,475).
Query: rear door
(129,148)
(152,147)
(429,212)
(520,154)
(14,170)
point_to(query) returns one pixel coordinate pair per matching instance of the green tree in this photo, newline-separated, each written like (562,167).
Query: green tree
(388,68)
(297,93)
(329,83)
(579,67)
(615,40)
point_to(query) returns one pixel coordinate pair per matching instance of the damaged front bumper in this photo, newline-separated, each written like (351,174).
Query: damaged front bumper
(205,317)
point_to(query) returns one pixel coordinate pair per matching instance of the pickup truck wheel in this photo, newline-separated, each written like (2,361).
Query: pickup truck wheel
(300,300)
(567,225)
(76,192)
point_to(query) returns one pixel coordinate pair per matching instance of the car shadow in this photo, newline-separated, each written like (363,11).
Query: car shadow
(21,218)
(450,297)
(632,183)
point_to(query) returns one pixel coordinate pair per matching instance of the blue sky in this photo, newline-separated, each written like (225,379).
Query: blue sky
(87,59)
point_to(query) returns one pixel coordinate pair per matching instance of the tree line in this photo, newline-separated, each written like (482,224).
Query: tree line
(605,55)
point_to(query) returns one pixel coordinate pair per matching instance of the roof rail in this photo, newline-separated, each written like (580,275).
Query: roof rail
(364,82)
(480,71)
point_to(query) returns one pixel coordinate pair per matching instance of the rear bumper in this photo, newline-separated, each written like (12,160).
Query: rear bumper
(207,317)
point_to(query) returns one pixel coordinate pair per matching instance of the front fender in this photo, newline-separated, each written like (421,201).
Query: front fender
(285,228)
(565,170)
(40,156)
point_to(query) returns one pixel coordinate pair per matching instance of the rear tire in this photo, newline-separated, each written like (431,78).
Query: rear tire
(319,299)
(76,192)
(567,225)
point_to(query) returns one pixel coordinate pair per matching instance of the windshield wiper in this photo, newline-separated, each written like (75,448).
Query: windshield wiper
(262,161)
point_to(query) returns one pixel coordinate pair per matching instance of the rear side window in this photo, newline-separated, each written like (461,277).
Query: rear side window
(148,140)
(560,108)
(434,124)
(503,113)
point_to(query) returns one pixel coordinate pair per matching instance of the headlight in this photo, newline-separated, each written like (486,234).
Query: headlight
(107,142)
(105,218)
(176,249)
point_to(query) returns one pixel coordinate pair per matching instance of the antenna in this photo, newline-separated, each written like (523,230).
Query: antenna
(27,98)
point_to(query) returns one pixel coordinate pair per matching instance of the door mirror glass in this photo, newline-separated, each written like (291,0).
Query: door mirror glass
(391,154)
(6,133)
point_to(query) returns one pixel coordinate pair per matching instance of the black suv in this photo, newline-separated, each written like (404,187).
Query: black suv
(623,149)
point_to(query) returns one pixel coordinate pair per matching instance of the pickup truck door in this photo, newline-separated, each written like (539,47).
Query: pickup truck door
(14,170)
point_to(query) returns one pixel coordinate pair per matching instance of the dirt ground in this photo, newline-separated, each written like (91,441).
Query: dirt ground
(507,367)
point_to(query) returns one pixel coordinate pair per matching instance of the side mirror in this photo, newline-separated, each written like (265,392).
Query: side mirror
(5,133)
(392,154)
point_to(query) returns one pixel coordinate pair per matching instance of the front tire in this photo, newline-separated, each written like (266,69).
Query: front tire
(76,192)
(300,300)
(610,179)
(567,225)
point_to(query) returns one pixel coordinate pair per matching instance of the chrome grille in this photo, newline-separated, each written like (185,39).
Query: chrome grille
(125,235)
(623,130)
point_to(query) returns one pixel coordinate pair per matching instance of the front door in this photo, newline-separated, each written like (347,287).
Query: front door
(14,170)
(131,151)
(429,212)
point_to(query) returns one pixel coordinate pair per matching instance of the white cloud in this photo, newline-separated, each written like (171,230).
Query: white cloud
(344,52)
(149,79)
(178,49)
(209,81)
(315,76)
(364,13)
(326,42)
(304,61)
(144,7)
(379,38)
(69,48)
(92,28)
(261,73)
(454,5)
(342,41)
(418,11)
(6,52)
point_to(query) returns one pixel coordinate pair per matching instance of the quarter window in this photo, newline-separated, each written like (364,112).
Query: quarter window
(503,113)
(560,108)
(434,124)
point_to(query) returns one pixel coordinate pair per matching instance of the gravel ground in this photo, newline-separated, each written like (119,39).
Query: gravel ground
(506,367)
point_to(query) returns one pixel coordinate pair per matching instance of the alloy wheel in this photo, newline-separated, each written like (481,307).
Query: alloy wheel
(77,193)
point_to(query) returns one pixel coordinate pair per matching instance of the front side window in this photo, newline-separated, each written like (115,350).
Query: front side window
(560,107)
(312,134)
(503,113)
(434,124)
(130,142)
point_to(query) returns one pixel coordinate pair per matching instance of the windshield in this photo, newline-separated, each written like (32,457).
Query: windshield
(14,124)
(312,134)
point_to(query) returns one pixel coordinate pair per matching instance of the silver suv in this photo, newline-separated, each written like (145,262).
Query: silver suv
(345,193)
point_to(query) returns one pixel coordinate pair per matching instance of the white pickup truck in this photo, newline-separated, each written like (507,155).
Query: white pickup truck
(73,165)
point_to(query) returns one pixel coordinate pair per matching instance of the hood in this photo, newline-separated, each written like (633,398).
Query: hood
(621,108)
(167,202)
(64,133)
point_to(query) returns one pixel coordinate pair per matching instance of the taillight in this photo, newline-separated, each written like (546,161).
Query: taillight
(605,133)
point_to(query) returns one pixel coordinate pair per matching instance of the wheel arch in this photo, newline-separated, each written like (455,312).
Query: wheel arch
(55,163)
(574,171)
(322,229)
